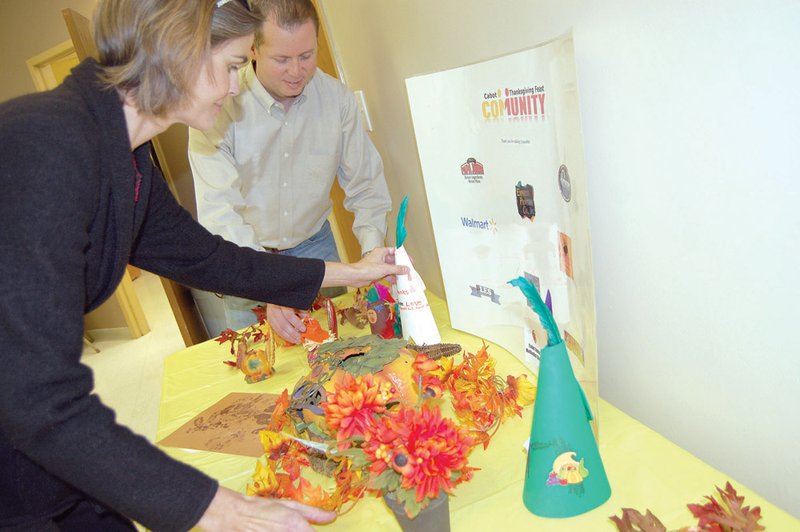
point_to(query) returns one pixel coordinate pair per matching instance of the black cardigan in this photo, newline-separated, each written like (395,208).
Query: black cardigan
(74,213)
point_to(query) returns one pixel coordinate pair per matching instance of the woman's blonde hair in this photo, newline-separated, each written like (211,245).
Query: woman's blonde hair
(152,50)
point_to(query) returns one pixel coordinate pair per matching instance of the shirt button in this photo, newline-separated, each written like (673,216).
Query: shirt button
(285,184)
(286,213)
(286,123)
(284,239)
(285,154)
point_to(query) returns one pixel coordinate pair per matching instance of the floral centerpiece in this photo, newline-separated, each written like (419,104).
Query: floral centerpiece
(376,413)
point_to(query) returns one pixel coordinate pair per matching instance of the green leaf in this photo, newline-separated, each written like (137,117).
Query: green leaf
(408,498)
(388,481)
(356,456)
(372,353)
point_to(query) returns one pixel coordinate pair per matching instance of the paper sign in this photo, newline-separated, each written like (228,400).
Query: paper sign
(229,426)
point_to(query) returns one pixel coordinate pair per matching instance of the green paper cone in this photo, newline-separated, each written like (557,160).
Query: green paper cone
(564,476)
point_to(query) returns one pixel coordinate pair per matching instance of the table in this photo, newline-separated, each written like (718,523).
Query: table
(645,469)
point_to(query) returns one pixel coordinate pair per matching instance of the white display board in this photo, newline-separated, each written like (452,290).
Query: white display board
(502,158)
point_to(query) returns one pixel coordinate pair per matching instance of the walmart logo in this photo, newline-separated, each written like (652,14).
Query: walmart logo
(485,225)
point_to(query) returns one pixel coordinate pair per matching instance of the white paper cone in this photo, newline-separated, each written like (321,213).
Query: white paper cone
(415,312)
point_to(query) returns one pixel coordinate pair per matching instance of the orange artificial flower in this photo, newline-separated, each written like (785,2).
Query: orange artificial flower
(350,408)
(423,364)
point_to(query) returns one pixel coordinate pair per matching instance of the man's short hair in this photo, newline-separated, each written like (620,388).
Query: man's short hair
(286,14)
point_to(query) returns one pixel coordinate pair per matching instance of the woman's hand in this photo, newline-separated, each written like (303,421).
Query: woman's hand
(230,511)
(375,265)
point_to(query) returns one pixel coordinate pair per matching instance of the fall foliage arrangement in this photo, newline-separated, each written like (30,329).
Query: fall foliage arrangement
(384,432)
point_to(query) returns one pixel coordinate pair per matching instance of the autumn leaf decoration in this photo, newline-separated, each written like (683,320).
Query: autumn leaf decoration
(376,442)
(727,515)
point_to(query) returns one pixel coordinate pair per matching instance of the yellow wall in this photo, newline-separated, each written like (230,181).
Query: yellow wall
(27,28)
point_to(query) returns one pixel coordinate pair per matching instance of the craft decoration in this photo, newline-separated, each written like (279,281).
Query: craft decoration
(369,414)
(382,312)
(564,476)
(374,306)
(254,346)
(416,318)
(726,515)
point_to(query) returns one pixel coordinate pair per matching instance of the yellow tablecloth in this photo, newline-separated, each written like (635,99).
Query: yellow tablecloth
(645,470)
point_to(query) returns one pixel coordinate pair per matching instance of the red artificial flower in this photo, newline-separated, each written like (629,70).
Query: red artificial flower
(381,443)
(433,453)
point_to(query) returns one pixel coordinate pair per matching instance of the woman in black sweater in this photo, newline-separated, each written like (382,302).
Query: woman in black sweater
(81,199)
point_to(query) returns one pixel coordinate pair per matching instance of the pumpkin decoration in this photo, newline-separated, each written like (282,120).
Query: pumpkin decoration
(334,362)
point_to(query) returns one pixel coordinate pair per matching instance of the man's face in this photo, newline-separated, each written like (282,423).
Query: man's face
(287,59)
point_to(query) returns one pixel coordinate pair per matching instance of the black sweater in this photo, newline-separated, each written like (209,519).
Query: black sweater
(74,213)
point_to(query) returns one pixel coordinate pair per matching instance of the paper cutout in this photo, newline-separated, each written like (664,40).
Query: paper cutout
(574,347)
(526,206)
(565,253)
(566,470)
(416,317)
(382,312)
(230,425)
(560,432)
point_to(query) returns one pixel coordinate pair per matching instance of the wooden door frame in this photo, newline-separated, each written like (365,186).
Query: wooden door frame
(341,218)
(39,66)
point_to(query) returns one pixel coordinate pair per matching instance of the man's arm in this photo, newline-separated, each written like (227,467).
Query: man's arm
(217,185)
(361,177)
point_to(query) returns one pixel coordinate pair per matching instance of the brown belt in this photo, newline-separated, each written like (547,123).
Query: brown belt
(275,250)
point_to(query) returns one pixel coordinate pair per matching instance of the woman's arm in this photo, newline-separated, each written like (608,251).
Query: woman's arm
(375,265)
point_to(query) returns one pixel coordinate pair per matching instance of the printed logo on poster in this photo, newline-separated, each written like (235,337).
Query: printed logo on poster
(484,225)
(485,291)
(472,171)
(564,184)
(533,354)
(525,204)
(514,103)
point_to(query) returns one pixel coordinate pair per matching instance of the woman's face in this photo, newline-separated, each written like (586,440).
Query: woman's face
(217,79)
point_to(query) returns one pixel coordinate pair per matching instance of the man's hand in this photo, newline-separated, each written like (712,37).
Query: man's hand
(230,511)
(287,322)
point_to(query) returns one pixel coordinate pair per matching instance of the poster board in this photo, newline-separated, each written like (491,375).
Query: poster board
(501,151)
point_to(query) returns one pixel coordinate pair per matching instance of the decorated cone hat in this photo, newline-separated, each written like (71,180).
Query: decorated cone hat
(564,476)
(416,318)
